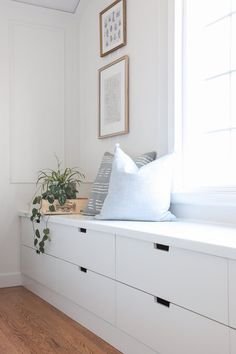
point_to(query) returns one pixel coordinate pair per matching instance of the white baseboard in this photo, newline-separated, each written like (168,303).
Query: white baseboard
(101,328)
(8,280)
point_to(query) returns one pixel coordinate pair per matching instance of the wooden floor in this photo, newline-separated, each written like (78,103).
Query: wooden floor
(29,325)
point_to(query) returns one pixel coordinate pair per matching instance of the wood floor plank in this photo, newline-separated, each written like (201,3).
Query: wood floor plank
(6,346)
(29,325)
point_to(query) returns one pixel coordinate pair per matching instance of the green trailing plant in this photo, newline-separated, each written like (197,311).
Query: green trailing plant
(61,185)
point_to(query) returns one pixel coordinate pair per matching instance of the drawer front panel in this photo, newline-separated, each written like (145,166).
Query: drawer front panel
(92,291)
(41,268)
(26,231)
(232,293)
(170,329)
(91,249)
(189,279)
(232,341)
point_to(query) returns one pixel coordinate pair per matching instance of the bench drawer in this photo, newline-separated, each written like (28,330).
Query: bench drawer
(232,293)
(193,280)
(166,329)
(92,291)
(91,249)
(232,341)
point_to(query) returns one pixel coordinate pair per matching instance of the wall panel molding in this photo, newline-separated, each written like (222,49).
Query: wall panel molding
(37,98)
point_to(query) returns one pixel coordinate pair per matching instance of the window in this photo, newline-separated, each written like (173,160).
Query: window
(209,93)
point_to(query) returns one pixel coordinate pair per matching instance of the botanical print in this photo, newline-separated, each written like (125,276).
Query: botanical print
(112,99)
(112,28)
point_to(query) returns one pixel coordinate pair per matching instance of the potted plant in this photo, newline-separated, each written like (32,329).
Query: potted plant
(56,194)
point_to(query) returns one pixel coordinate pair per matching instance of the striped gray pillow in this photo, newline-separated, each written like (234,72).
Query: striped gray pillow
(100,186)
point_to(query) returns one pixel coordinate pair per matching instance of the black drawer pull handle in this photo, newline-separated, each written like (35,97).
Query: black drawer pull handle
(161,247)
(82,230)
(83,269)
(162,302)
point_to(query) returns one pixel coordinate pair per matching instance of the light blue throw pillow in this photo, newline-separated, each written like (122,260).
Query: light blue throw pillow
(138,193)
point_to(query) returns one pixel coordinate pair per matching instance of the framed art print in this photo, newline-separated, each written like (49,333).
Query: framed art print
(113,98)
(113,27)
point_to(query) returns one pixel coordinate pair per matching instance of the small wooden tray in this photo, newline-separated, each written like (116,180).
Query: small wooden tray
(72,206)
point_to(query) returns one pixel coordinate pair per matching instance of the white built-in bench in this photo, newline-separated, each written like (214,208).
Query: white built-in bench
(167,288)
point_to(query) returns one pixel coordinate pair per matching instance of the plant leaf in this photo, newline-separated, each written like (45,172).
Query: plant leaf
(35,201)
(50,198)
(62,198)
(52,208)
(34,211)
(46,231)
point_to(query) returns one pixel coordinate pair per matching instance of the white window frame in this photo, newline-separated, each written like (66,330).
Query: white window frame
(217,196)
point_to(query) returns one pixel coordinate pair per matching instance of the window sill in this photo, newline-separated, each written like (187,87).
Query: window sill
(213,206)
(226,196)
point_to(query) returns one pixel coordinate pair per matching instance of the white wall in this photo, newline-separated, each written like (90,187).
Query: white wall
(147,49)
(70,105)
(37,65)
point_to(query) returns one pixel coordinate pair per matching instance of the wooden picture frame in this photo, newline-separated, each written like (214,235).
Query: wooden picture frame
(113,23)
(114,98)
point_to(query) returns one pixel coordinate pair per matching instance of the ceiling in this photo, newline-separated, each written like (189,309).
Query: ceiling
(61,5)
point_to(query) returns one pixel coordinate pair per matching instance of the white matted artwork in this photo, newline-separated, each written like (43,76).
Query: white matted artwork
(113,27)
(113,98)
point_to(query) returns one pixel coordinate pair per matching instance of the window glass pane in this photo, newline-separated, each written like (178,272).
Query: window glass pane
(208,11)
(216,159)
(233,43)
(207,161)
(233,100)
(216,49)
(233,5)
(233,157)
(214,9)
(216,103)
(209,100)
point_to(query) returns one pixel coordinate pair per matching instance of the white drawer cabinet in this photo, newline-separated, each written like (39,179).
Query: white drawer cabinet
(91,249)
(92,291)
(193,280)
(232,341)
(168,330)
(148,297)
(232,294)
